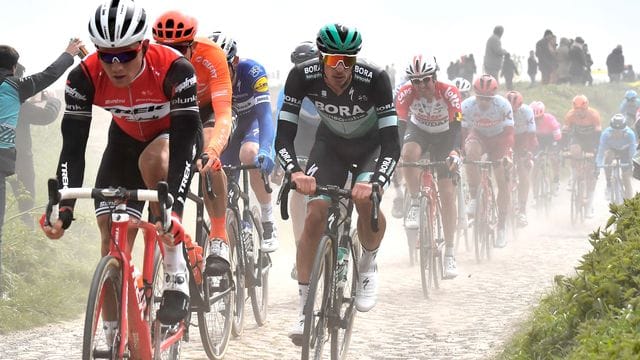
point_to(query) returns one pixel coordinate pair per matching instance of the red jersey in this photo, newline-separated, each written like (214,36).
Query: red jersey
(432,116)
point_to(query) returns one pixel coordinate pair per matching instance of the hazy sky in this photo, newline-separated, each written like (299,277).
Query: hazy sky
(392,30)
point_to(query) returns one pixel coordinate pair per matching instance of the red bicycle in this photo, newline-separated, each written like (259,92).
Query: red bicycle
(134,299)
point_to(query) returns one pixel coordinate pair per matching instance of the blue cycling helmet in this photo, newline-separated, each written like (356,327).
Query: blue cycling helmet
(630,94)
(618,122)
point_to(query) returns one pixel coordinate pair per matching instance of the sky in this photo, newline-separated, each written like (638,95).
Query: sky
(392,31)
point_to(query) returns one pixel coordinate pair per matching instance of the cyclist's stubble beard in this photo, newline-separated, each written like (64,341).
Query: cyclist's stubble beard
(338,78)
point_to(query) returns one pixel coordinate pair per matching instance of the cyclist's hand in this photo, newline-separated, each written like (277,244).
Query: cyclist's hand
(175,235)
(56,230)
(74,46)
(454,162)
(305,184)
(213,163)
(267,163)
(362,192)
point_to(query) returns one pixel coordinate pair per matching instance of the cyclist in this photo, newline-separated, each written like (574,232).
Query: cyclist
(618,140)
(178,31)
(254,133)
(432,112)
(525,143)
(549,135)
(355,102)
(582,123)
(307,125)
(150,91)
(464,87)
(629,107)
(488,127)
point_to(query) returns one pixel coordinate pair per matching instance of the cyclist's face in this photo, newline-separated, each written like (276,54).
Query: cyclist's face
(338,77)
(484,102)
(121,73)
(425,86)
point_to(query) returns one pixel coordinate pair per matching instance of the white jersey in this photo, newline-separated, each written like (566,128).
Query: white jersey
(524,120)
(489,122)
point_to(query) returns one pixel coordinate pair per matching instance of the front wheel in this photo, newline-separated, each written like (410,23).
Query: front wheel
(316,309)
(428,266)
(104,302)
(238,266)
(259,269)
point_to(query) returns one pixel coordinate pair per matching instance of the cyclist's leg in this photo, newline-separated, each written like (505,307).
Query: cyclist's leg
(473,147)
(497,151)
(524,166)
(626,174)
(608,159)
(411,152)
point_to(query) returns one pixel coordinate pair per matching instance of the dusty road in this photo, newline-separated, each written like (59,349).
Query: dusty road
(469,317)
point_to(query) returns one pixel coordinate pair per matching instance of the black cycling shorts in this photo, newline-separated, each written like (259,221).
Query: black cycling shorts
(438,145)
(588,142)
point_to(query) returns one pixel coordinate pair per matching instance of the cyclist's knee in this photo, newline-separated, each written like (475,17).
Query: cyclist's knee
(248,152)
(473,149)
(411,152)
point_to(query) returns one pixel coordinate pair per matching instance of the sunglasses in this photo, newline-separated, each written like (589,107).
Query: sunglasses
(333,60)
(121,57)
(426,80)
(484,98)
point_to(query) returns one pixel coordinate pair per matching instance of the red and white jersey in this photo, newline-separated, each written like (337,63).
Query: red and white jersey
(432,116)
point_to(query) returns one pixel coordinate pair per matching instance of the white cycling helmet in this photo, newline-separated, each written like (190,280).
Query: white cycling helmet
(462,84)
(421,66)
(226,43)
(117,23)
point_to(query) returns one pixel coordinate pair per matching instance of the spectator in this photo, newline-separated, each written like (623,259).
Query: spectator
(23,184)
(628,74)
(391,71)
(615,64)
(587,73)
(494,53)
(508,71)
(564,62)
(545,51)
(14,91)
(532,67)
(468,68)
(452,70)
(578,65)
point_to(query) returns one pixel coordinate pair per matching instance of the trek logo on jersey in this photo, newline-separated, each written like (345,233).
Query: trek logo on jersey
(185,177)
(187,83)
(64,174)
(291,100)
(342,110)
(261,85)
(141,112)
(74,93)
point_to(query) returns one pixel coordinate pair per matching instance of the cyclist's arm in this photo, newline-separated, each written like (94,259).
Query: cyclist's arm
(294,92)
(33,84)
(263,111)
(602,148)
(387,130)
(402,102)
(75,125)
(220,89)
(184,130)
(633,144)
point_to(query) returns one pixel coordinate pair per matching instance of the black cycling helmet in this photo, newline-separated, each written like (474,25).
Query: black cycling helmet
(304,51)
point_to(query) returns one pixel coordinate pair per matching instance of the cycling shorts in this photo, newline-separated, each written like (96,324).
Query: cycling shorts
(588,142)
(231,154)
(495,146)
(438,145)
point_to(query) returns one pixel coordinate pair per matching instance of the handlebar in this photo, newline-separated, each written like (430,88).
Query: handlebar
(265,179)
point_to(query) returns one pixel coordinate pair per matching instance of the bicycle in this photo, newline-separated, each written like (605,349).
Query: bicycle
(134,299)
(616,188)
(486,215)
(430,231)
(330,308)
(542,182)
(462,223)
(511,177)
(579,186)
(245,233)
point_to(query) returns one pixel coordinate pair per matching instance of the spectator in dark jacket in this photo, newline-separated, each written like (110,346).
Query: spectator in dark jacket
(545,51)
(532,67)
(508,71)
(587,75)
(494,53)
(578,65)
(615,64)
(628,74)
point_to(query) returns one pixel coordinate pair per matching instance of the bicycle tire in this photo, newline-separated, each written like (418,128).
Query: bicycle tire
(259,268)
(108,275)
(238,258)
(437,247)
(492,221)
(345,304)
(427,266)
(616,188)
(316,309)
(462,224)
(216,325)
(412,234)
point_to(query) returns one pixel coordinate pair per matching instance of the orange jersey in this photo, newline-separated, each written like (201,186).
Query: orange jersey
(583,120)
(214,89)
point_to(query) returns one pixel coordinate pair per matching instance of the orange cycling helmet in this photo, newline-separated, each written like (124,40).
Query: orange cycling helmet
(580,102)
(485,85)
(173,27)
(515,98)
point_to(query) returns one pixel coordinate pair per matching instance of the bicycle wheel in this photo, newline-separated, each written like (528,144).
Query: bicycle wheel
(427,265)
(462,224)
(437,247)
(492,221)
(345,304)
(239,268)
(616,188)
(259,269)
(106,288)
(216,325)
(316,310)
(165,331)
(412,234)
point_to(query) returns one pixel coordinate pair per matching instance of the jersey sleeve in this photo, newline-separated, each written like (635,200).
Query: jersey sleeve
(454,107)
(33,84)
(387,130)
(294,92)
(220,88)
(260,86)
(403,101)
(383,102)
(604,139)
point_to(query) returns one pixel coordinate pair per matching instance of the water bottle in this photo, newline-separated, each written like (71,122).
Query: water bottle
(247,238)
(343,262)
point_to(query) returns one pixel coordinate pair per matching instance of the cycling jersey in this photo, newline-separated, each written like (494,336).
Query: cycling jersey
(14,91)
(251,101)
(432,116)
(214,89)
(161,99)
(490,122)
(629,108)
(547,130)
(582,121)
(618,140)
(365,106)
(524,129)
(308,121)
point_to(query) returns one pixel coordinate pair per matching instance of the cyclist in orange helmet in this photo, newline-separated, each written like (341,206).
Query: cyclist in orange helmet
(178,31)
(582,124)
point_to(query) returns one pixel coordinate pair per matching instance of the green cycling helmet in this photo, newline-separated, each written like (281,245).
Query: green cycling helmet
(339,39)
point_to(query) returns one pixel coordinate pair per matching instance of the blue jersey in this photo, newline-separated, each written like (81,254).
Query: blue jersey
(614,140)
(251,101)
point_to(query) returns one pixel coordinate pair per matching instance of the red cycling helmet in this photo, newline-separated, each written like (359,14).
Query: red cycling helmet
(538,108)
(515,98)
(580,102)
(485,85)
(173,27)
